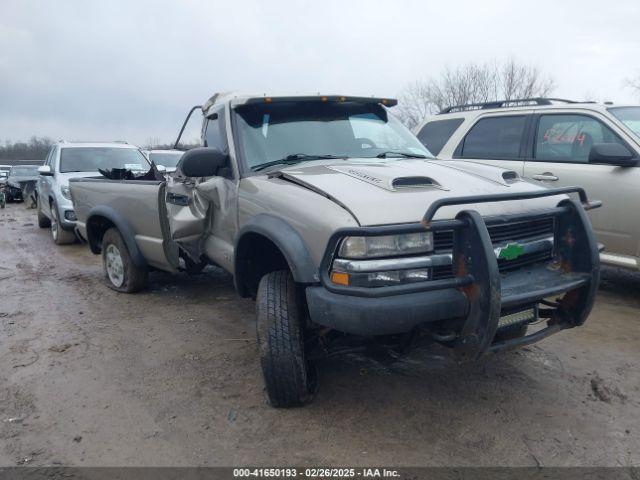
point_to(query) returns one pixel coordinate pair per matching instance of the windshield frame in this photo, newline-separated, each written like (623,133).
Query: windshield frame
(244,169)
(627,128)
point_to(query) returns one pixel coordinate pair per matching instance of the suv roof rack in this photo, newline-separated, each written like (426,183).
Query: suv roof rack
(516,102)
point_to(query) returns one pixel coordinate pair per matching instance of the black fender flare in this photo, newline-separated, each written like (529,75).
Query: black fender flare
(123,227)
(288,241)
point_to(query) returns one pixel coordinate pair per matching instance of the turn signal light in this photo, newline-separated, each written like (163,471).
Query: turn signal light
(340,278)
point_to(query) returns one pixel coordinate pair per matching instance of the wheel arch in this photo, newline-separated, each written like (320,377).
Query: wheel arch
(101,219)
(263,236)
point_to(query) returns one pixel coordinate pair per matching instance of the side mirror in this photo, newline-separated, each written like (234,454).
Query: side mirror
(202,162)
(612,154)
(45,170)
(161,169)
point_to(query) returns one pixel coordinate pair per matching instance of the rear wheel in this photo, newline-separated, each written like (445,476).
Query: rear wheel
(120,272)
(60,236)
(287,375)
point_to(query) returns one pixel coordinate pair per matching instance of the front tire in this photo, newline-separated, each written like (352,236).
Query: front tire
(287,376)
(60,236)
(120,272)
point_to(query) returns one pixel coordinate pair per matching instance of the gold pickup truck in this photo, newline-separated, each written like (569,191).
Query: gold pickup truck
(350,236)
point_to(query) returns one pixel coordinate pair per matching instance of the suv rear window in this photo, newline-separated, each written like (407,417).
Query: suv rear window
(434,135)
(495,138)
(90,159)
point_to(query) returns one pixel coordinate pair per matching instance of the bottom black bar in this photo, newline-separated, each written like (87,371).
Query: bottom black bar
(322,472)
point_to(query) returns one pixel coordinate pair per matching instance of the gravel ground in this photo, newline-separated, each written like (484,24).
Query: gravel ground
(171,376)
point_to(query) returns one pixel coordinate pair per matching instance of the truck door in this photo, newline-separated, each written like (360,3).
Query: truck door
(201,211)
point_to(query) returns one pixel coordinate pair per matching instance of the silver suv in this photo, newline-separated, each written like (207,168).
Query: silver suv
(72,160)
(556,142)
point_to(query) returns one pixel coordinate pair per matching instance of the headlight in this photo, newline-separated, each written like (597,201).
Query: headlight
(66,192)
(386,246)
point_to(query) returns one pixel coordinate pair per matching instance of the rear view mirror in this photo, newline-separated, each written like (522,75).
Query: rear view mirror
(612,154)
(202,162)
(45,170)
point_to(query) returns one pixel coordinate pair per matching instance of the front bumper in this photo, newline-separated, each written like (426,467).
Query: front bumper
(66,214)
(478,294)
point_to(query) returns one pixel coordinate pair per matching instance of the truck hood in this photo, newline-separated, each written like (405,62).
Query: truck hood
(394,191)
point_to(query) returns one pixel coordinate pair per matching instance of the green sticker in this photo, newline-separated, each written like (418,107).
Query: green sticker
(511,251)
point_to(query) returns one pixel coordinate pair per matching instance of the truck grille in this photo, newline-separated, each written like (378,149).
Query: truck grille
(501,234)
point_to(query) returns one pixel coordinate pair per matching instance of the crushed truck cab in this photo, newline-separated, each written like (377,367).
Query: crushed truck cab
(350,236)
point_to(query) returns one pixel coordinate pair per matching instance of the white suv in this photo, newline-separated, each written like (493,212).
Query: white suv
(558,143)
(72,160)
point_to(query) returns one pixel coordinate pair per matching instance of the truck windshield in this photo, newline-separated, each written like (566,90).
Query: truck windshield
(90,159)
(270,132)
(630,116)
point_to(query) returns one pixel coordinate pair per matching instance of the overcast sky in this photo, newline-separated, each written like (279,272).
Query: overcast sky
(104,70)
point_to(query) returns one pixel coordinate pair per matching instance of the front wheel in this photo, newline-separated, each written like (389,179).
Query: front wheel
(60,235)
(120,272)
(287,375)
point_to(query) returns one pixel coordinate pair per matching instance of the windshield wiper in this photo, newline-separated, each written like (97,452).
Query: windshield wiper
(293,159)
(392,153)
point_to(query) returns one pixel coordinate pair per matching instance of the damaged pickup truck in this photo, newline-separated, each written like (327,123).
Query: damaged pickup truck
(349,235)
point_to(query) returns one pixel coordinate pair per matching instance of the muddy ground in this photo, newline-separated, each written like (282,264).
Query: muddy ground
(171,377)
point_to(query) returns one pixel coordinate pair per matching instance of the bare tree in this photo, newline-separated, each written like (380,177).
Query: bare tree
(471,83)
(35,149)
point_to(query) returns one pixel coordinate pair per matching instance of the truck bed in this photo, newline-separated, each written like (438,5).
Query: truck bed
(137,203)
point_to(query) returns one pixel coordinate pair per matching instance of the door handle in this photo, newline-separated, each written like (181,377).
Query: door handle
(546,176)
